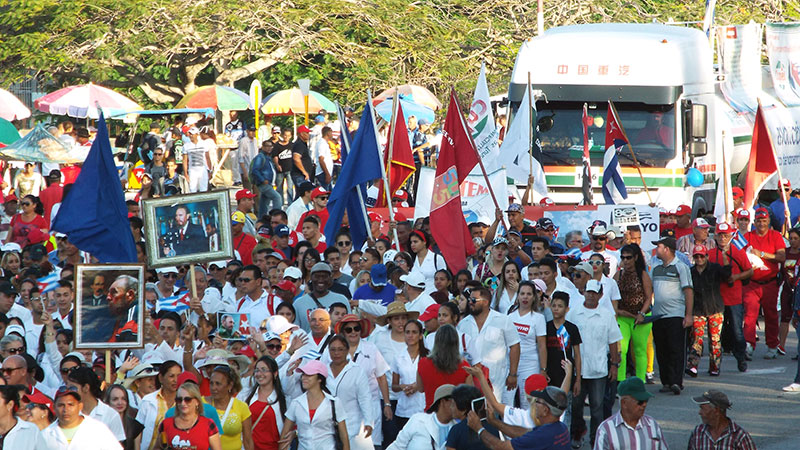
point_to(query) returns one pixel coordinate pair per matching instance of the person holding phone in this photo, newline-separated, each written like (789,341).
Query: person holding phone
(461,437)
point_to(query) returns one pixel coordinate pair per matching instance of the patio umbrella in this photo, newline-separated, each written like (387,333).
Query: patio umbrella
(11,108)
(81,101)
(41,146)
(410,108)
(223,98)
(8,133)
(421,95)
(291,101)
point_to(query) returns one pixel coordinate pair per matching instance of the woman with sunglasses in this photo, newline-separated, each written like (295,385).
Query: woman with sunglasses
(488,272)
(426,261)
(38,414)
(611,295)
(636,291)
(28,227)
(310,257)
(188,428)
(349,384)
(14,432)
(404,374)
(267,404)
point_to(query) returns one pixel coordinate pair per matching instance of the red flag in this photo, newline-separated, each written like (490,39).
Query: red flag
(457,157)
(401,167)
(762,160)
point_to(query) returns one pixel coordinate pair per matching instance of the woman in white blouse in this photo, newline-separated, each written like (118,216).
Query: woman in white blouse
(532,330)
(507,286)
(426,262)
(404,376)
(267,404)
(316,413)
(349,384)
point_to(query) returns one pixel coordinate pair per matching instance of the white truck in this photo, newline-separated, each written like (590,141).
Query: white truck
(664,85)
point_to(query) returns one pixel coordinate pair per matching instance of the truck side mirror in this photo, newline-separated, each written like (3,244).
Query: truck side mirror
(699,123)
(696,123)
(698,148)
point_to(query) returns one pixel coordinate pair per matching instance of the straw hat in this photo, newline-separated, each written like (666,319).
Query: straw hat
(143,370)
(396,308)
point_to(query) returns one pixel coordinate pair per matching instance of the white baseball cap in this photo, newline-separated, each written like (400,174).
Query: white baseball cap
(414,279)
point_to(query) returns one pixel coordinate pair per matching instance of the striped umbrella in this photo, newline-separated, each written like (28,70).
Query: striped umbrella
(81,101)
(11,108)
(420,94)
(291,101)
(223,98)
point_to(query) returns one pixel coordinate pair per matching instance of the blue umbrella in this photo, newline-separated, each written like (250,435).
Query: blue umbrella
(410,108)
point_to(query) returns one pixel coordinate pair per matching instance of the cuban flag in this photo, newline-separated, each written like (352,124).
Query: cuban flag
(614,190)
(739,241)
(176,303)
(48,283)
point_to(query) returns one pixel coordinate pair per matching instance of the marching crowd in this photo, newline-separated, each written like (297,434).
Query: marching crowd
(382,346)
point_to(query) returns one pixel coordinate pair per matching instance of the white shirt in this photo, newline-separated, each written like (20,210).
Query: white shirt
(319,433)
(24,436)
(389,348)
(529,326)
(295,210)
(91,435)
(610,293)
(465,344)
(492,342)
(323,150)
(351,388)
(406,369)
(612,258)
(110,417)
(247,151)
(419,431)
(259,309)
(148,410)
(505,302)
(370,359)
(428,267)
(600,329)
(24,314)
(419,304)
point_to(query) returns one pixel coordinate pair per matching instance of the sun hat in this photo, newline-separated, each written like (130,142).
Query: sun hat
(396,308)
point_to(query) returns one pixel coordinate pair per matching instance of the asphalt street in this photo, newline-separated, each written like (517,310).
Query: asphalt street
(759,404)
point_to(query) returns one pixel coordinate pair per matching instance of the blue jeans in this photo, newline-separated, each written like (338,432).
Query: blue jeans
(595,388)
(735,319)
(268,195)
(279,178)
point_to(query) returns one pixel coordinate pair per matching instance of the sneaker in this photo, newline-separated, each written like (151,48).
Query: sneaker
(771,354)
(650,378)
(692,372)
(665,389)
(781,350)
(748,353)
(794,387)
(742,366)
(675,389)
(714,372)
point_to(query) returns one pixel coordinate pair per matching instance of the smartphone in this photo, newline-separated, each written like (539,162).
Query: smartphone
(479,406)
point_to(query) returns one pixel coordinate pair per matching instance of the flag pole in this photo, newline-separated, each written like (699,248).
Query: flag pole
(786,213)
(384,172)
(346,139)
(530,134)
(630,147)
(726,177)
(475,149)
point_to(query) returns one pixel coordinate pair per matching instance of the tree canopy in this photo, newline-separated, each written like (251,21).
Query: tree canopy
(157,51)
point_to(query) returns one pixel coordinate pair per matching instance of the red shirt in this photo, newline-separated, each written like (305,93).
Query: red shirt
(771,242)
(195,438)
(321,215)
(28,232)
(244,244)
(70,173)
(50,197)
(681,232)
(433,378)
(731,295)
(265,432)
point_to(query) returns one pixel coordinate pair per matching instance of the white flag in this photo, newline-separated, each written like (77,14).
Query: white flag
(514,151)
(723,175)
(481,125)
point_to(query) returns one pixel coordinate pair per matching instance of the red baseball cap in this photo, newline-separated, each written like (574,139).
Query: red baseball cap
(546,201)
(535,382)
(431,312)
(244,193)
(286,285)
(303,129)
(373,217)
(247,351)
(400,195)
(761,213)
(724,227)
(683,210)
(187,376)
(700,223)
(742,213)
(786,183)
(737,192)
(700,249)
(318,191)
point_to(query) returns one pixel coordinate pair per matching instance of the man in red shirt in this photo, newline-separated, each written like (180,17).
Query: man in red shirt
(726,254)
(312,233)
(319,203)
(242,242)
(52,194)
(768,245)
(683,221)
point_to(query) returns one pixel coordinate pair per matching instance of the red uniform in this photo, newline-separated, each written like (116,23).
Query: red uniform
(763,288)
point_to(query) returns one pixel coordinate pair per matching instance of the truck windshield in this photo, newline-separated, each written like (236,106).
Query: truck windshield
(651,129)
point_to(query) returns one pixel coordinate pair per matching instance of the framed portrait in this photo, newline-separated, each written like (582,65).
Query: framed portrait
(233,326)
(109,306)
(188,229)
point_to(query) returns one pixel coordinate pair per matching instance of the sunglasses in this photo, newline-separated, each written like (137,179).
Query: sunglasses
(699,256)
(599,238)
(157,154)
(343,243)
(323,197)
(26,203)
(10,370)
(362,259)
(15,351)
(596,263)
(171,275)
(273,346)
(66,370)
(472,299)
(186,400)
(65,389)
(626,257)
(244,280)
(352,329)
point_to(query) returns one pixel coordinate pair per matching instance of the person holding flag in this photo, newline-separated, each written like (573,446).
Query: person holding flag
(563,341)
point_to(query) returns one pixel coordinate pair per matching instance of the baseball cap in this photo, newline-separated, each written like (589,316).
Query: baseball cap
(583,266)
(269,336)
(700,223)
(546,201)
(303,129)
(276,129)
(65,390)
(319,267)
(742,213)
(244,193)
(292,272)
(539,284)
(499,240)
(279,325)
(286,285)
(193,130)
(668,242)
(374,217)
(683,210)
(423,122)
(535,382)
(319,119)
(553,396)
(786,183)
(714,397)
(431,312)
(400,195)
(277,255)
(265,231)
(319,191)
(724,227)
(515,207)
(700,249)
(10,198)
(737,192)
(594,286)
(8,288)
(314,367)
(238,217)
(442,392)
(14,328)
(378,275)
(545,223)
(187,376)
(761,213)
(282,230)
(251,127)
(633,387)
(414,279)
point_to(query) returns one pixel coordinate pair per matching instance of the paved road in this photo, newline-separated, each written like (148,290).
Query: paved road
(759,405)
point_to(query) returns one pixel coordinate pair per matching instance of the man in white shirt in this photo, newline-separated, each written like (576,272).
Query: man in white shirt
(302,204)
(255,298)
(88,385)
(322,151)
(496,340)
(600,237)
(73,430)
(599,349)
(8,293)
(247,151)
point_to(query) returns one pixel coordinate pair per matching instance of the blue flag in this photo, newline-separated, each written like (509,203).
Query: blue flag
(94,215)
(360,165)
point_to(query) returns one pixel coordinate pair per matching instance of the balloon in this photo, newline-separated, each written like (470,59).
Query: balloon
(694,177)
